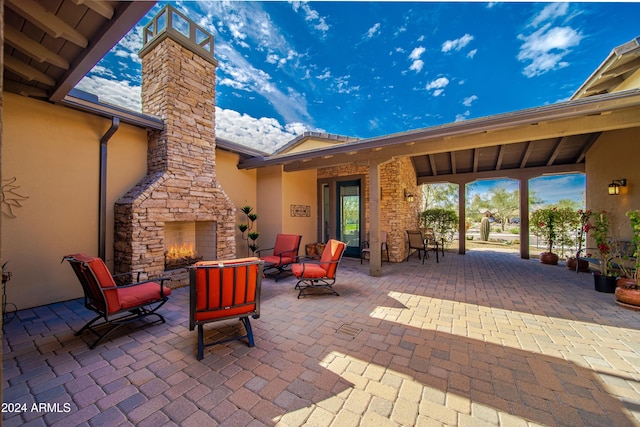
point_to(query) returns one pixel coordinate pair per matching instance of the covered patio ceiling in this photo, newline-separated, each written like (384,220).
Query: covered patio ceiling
(532,142)
(50,45)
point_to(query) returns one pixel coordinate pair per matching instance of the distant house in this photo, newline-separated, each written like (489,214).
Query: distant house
(80,175)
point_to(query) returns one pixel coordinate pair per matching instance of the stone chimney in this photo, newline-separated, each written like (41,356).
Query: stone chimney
(178,84)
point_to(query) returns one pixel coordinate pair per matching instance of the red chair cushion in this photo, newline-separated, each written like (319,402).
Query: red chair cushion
(137,295)
(286,260)
(308,271)
(214,306)
(287,244)
(331,254)
(105,280)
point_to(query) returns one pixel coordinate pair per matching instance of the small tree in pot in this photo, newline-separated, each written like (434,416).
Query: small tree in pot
(598,229)
(545,221)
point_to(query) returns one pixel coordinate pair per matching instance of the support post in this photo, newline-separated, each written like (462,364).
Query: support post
(524,217)
(375,256)
(462,229)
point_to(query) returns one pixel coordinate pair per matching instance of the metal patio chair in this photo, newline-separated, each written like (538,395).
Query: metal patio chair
(313,274)
(223,290)
(115,305)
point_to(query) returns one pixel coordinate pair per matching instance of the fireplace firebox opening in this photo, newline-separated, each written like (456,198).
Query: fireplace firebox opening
(187,242)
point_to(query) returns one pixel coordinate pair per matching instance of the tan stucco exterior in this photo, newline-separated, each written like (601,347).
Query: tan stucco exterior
(240,186)
(277,191)
(53,152)
(615,155)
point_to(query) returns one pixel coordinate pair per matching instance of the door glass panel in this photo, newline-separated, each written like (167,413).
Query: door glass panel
(349,215)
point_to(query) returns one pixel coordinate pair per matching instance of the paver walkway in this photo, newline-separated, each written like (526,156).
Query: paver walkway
(480,339)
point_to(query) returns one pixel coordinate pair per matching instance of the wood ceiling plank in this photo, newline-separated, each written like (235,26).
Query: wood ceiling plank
(47,21)
(33,49)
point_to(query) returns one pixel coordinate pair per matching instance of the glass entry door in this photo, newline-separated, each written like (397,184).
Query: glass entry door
(348,215)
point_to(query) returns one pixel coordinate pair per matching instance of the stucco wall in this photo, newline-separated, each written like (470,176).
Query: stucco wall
(614,156)
(53,152)
(277,191)
(269,204)
(300,189)
(241,187)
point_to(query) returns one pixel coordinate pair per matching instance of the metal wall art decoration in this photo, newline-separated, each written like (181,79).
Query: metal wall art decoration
(9,199)
(300,210)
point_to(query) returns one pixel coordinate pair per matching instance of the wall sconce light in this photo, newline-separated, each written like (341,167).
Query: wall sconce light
(408,196)
(614,187)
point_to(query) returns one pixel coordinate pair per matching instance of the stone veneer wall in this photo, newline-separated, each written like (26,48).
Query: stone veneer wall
(179,86)
(396,214)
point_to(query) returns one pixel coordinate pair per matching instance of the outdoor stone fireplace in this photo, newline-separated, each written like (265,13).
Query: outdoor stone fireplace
(179,201)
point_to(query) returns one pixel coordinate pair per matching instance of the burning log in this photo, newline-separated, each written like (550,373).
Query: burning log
(180,257)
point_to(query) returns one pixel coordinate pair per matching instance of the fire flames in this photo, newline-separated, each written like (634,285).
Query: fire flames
(179,256)
(175,252)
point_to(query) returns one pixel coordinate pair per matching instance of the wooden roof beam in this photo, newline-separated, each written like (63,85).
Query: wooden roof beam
(500,157)
(27,72)
(33,49)
(556,151)
(47,21)
(100,7)
(590,141)
(432,162)
(527,153)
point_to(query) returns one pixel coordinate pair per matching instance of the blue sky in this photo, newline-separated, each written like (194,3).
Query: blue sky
(364,69)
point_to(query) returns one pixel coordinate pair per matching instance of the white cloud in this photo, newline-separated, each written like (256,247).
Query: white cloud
(469,100)
(472,53)
(417,65)
(265,134)
(373,30)
(457,44)
(242,75)
(437,85)
(318,22)
(546,48)
(550,13)
(415,55)
(324,76)
(417,52)
(121,93)
(463,116)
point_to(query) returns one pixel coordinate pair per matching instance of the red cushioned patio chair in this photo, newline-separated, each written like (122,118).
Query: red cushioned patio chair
(223,290)
(285,253)
(322,273)
(116,305)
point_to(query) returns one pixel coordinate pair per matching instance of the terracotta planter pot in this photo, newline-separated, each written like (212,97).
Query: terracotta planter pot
(628,297)
(606,284)
(625,282)
(549,258)
(583,265)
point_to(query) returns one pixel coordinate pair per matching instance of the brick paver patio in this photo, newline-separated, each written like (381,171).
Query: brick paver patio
(480,339)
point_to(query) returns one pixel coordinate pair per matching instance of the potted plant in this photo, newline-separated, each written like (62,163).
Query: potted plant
(628,292)
(545,221)
(574,262)
(604,280)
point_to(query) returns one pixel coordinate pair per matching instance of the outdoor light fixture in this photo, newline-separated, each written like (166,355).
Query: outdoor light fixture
(614,187)
(408,196)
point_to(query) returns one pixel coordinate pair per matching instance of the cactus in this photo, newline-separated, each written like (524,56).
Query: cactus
(485,227)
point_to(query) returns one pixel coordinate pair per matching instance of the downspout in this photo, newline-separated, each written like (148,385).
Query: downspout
(102,203)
